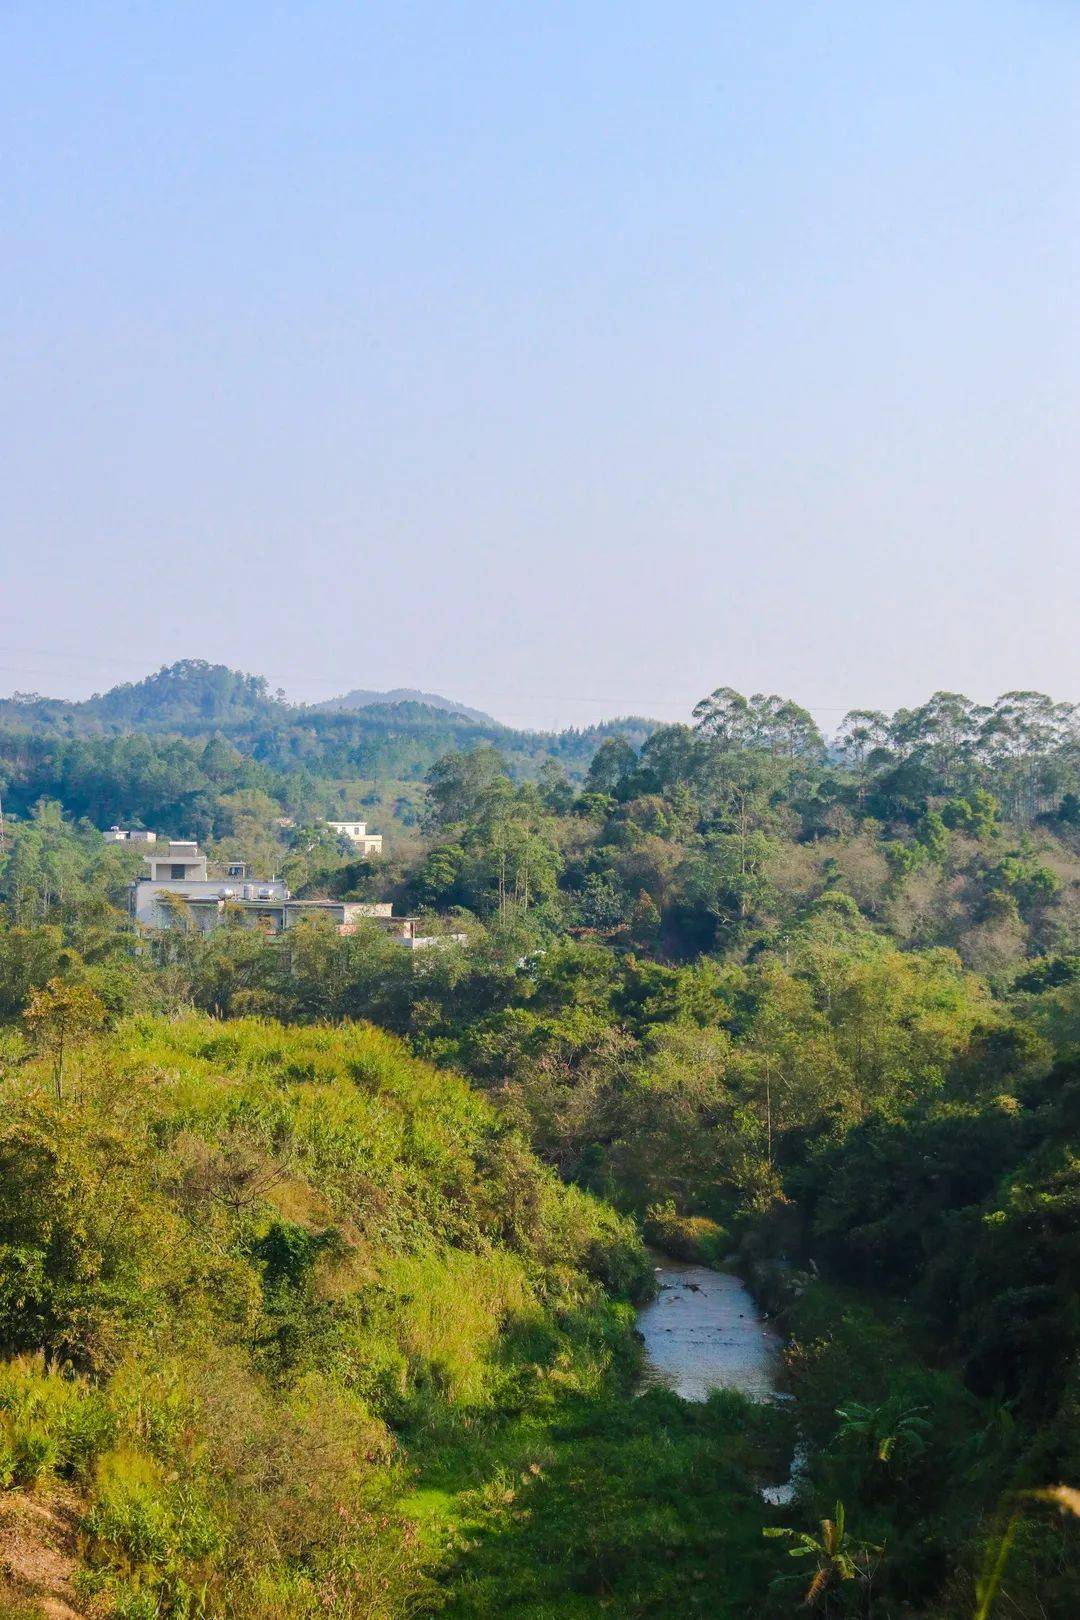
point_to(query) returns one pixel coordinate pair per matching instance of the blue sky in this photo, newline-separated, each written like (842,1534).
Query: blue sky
(569,359)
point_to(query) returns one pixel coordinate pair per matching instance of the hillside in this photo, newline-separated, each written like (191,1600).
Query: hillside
(394,738)
(292,1321)
(255,1281)
(360,699)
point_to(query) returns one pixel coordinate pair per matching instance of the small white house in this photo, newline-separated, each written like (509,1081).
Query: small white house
(356,832)
(178,870)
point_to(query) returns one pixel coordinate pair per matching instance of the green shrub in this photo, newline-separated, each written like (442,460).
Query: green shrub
(50,1423)
(147,1537)
(687,1237)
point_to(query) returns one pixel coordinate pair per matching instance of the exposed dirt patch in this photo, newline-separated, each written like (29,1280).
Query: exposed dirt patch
(39,1553)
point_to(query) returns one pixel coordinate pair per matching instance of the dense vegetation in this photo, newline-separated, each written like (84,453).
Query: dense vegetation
(252,1280)
(305,1324)
(102,749)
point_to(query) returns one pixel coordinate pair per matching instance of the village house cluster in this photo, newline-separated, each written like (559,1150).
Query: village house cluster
(177,890)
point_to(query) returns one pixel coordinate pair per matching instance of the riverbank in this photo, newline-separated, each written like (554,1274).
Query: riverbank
(704,1335)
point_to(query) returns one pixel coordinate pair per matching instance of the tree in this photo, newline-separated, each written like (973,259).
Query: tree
(645,919)
(603,901)
(893,1429)
(42,872)
(612,763)
(837,1556)
(976,815)
(509,865)
(556,793)
(29,957)
(1028,740)
(943,730)
(783,728)
(674,757)
(725,716)
(932,833)
(863,734)
(459,785)
(768,724)
(59,1016)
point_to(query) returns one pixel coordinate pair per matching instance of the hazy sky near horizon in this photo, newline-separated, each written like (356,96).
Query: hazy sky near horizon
(571,359)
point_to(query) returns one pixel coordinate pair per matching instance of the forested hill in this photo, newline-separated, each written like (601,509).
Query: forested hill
(362,699)
(201,750)
(296,1325)
(388,739)
(185,695)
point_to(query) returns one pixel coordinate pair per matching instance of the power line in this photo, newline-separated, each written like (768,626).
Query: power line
(622,703)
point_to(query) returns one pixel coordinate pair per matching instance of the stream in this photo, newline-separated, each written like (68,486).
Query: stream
(703,1331)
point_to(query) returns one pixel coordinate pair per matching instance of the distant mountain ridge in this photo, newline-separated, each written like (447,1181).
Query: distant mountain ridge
(363,699)
(193,692)
(396,734)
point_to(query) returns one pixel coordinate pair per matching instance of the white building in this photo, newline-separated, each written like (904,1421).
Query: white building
(356,832)
(176,872)
(129,835)
(177,869)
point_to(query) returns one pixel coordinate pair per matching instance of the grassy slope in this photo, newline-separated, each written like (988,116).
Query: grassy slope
(323,1338)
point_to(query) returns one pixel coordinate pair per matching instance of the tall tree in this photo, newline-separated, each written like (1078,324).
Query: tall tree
(60,1015)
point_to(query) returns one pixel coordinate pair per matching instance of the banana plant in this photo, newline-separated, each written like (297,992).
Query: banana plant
(838,1557)
(887,1431)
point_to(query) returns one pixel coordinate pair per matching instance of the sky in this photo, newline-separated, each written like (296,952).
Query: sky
(570,359)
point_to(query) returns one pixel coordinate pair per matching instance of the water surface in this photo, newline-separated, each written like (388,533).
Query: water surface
(703,1331)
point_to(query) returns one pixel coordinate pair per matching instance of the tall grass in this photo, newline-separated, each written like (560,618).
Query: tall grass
(252,1281)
